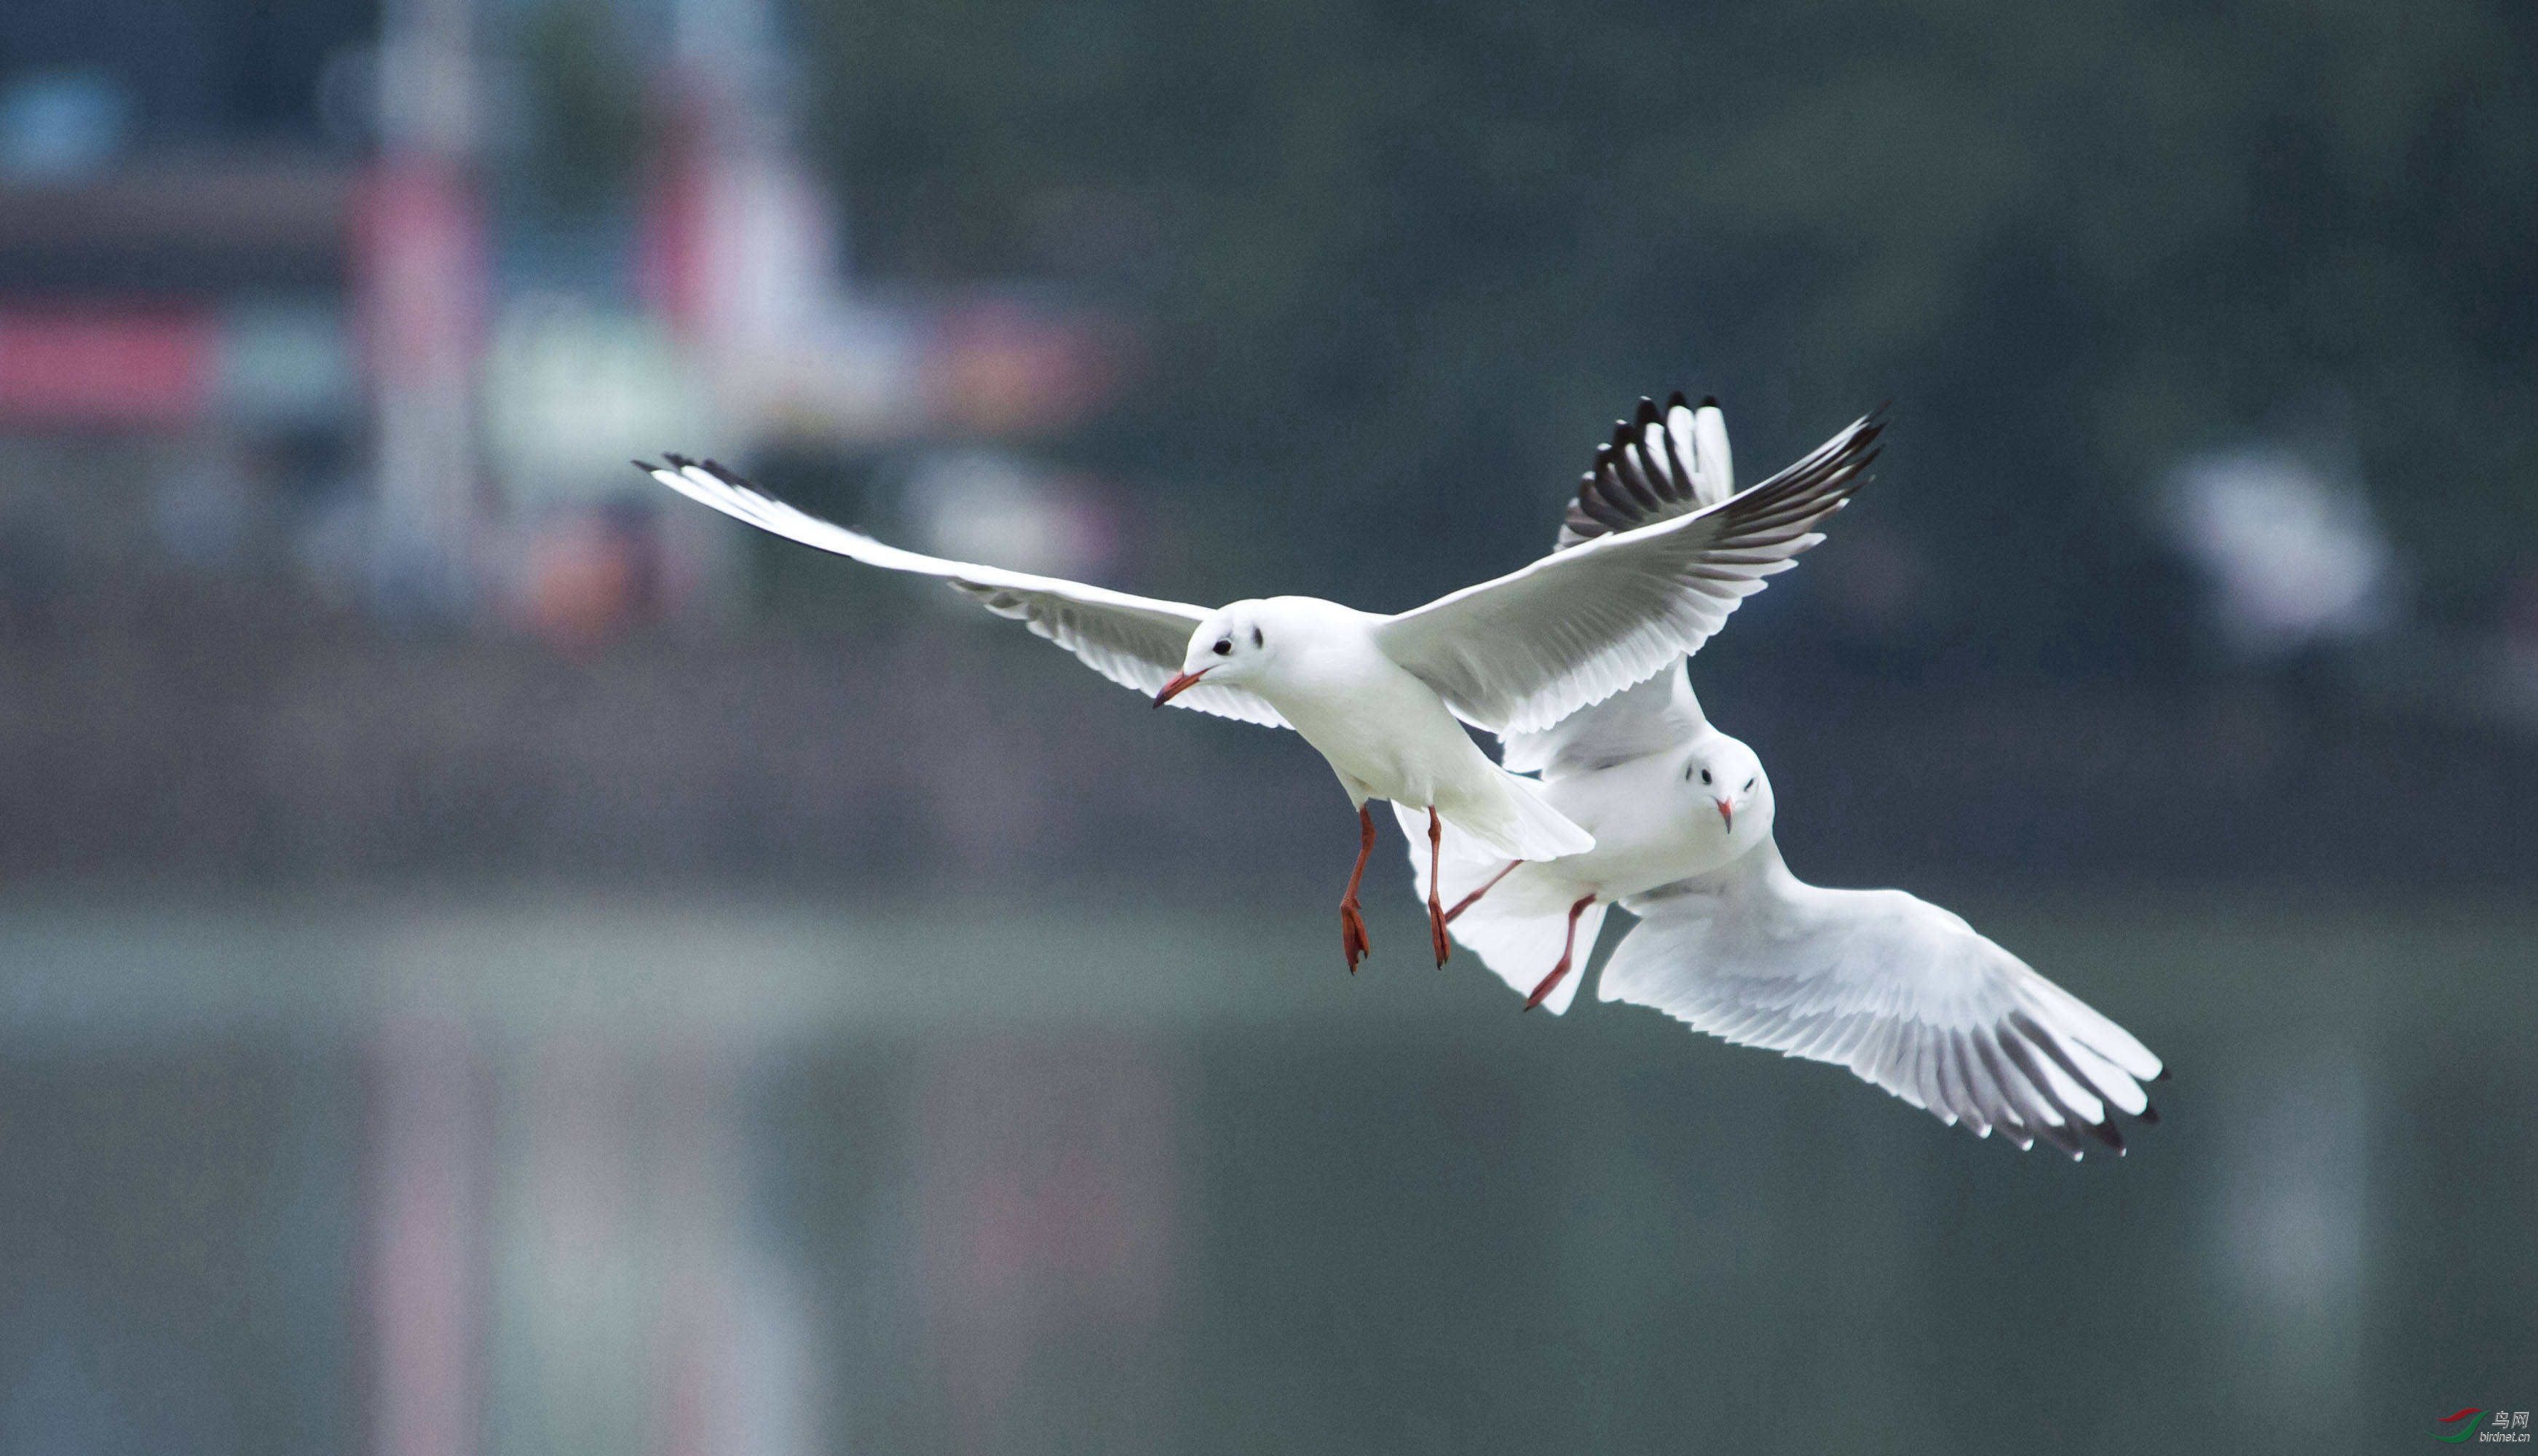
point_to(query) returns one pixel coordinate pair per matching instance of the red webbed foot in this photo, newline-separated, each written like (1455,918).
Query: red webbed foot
(1352,942)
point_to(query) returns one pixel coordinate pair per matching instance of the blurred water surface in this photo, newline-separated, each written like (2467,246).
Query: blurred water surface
(611,1174)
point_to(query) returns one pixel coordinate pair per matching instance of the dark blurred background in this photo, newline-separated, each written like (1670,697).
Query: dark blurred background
(495,958)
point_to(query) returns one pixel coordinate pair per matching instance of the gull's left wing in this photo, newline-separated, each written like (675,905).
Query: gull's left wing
(1649,717)
(1903,993)
(1519,654)
(1135,641)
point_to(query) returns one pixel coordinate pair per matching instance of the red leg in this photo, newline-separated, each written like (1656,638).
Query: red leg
(1560,972)
(1436,937)
(1465,903)
(1353,940)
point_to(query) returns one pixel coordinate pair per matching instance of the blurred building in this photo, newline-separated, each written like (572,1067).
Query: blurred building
(281,297)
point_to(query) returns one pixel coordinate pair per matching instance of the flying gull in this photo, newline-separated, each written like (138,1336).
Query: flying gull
(1904,993)
(1384,699)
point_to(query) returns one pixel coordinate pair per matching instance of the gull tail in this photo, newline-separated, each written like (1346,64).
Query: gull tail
(1510,819)
(1518,926)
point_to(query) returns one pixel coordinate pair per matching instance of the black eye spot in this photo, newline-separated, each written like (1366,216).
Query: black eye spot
(1224,646)
(1255,636)
(1704,776)
(1749,784)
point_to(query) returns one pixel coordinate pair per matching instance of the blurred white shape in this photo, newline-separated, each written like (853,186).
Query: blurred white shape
(774,248)
(2293,1212)
(573,392)
(987,506)
(429,96)
(2295,559)
(774,1369)
(2291,1235)
(60,125)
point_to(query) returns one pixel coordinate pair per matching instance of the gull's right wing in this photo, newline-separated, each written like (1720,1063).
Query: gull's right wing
(1135,641)
(1519,654)
(1900,991)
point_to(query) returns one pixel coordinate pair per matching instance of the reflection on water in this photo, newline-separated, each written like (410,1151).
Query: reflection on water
(716,1178)
(2290,1211)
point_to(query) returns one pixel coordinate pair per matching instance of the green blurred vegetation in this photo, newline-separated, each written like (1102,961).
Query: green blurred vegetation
(1403,259)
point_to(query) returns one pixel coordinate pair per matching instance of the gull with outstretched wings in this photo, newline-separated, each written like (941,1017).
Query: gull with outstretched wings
(1380,696)
(1729,941)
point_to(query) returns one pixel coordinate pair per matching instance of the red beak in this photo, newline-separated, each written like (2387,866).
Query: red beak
(1174,687)
(1726,814)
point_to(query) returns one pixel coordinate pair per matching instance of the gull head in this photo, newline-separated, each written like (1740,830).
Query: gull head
(1231,646)
(1725,782)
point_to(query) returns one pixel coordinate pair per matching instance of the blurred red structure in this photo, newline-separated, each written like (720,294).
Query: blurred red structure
(107,366)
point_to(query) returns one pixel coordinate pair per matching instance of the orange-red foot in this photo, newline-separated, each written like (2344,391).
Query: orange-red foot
(1438,940)
(1353,940)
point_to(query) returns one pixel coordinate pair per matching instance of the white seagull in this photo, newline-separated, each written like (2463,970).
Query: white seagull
(1904,993)
(1379,696)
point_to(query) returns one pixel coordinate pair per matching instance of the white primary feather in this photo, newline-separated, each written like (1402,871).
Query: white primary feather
(1659,464)
(1713,470)
(1690,444)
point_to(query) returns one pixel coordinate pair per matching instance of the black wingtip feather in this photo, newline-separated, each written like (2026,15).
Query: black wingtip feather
(1675,402)
(1628,488)
(645,466)
(1709,401)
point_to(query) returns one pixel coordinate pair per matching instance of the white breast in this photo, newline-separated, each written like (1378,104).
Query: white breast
(1382,729)
(1648,829)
